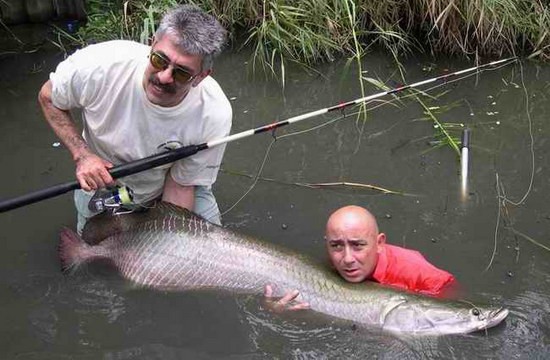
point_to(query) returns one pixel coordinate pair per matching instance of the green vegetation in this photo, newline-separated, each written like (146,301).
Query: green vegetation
(308,31)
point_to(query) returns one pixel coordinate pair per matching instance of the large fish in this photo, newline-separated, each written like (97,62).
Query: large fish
(171,248)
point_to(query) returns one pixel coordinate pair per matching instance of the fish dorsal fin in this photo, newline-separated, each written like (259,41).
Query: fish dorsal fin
(104,225)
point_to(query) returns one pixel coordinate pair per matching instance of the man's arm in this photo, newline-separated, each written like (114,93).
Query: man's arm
(441,285)
(433,281)
(91,170)
(177,194)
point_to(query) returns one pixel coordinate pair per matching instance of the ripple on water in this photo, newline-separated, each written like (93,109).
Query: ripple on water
(97,297)
(44,321)
(528,327)
(309,335)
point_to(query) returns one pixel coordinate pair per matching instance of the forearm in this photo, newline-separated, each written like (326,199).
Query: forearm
(62,124)
(91,171)
(177,194)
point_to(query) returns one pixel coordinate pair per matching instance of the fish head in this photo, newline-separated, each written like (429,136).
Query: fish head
(439,317)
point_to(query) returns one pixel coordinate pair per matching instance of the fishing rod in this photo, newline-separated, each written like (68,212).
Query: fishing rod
(170,156)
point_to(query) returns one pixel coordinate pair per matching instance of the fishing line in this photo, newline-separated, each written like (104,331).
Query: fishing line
(364,105)
(497,226)
(268,150)
(256,178)
(502,199)
(532,143)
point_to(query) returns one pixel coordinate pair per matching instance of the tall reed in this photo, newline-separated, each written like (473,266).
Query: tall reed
(309,31)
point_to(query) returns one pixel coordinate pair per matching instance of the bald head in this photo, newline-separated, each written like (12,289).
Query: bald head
(353,242)
(352,218)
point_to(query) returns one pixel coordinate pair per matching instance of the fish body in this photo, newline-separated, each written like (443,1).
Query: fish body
(171,248)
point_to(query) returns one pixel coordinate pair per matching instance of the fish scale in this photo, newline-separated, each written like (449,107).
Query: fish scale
(171,248)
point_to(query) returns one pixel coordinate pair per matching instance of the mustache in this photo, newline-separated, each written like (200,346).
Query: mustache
(168,88)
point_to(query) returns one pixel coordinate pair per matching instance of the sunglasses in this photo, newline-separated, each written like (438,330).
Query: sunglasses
(161,62)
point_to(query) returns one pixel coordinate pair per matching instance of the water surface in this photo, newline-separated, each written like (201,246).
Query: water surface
(94,314)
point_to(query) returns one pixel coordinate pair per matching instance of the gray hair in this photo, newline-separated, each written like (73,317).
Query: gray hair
(194,32)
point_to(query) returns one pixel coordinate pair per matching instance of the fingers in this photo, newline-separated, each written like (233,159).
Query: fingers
(90,180)
(289,297)
(299,306)
(106,178)
(92,172)
(87,184)
(107,164)
(287,302)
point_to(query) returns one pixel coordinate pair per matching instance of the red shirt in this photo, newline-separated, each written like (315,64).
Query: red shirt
(409,270)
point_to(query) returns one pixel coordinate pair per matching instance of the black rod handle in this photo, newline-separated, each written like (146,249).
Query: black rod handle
(116,172)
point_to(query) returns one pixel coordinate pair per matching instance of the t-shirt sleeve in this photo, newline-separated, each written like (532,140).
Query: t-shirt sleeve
(409,269)
(202,168)
(432,280)
(77,81)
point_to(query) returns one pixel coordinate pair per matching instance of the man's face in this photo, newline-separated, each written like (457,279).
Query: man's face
(353,249)
(160,86)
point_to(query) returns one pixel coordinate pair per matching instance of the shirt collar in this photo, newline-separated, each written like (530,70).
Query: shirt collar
(381,266)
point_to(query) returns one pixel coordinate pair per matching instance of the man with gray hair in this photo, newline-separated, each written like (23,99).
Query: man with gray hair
(139,100)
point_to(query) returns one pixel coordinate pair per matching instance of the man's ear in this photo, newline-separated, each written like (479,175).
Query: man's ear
(381,239)
(200,77)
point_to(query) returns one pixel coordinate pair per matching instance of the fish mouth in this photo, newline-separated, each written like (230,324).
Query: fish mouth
(496,317)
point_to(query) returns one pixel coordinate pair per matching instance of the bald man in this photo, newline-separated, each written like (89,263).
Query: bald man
(358,252)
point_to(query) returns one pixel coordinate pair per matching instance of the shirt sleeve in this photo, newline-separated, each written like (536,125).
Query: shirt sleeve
(432,280)
(202,168)
(409,269)
(77,81)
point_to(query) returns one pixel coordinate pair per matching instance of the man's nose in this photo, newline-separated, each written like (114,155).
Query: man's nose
(348,255)
(165,76)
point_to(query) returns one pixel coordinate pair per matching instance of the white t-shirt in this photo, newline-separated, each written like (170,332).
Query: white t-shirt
(122,125)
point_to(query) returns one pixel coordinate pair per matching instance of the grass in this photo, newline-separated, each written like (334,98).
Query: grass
(307,32)
(311,31)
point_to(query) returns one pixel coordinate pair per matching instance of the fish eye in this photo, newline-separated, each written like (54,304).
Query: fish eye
(475,312)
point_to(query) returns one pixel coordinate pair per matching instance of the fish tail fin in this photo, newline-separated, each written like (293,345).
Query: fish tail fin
(73,251)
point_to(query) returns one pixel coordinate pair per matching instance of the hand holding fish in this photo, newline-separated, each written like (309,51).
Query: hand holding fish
(287,302)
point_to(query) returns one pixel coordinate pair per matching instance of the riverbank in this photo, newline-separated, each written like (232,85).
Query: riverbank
(310,32)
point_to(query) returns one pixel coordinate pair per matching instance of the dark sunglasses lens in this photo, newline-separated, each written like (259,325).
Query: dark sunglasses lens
(181,76)
(158,61)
